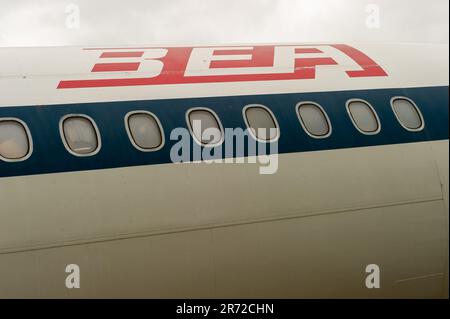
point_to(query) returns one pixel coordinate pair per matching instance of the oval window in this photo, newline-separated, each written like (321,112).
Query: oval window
(261,122)
(145,131)
(80,135)
(314,120)
(205,127)
(407,114)
(15,141)
(363,116)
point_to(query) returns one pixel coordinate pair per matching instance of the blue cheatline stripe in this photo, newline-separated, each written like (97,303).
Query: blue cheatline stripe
(50,156)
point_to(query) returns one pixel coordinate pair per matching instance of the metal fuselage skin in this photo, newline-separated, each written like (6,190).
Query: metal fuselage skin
(139,225)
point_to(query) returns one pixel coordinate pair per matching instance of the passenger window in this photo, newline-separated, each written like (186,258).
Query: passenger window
(407,113)
(80,135)
(363,116)
(15,142)
(314,120)
(261,122)
(205,127)
(145,131)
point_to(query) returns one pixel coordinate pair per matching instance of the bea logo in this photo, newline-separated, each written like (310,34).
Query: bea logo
(183,65)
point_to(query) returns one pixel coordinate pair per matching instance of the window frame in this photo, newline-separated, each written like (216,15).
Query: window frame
(330,127)
(347,106)
(272,115)
(422,120)
(191,131)
(29,138)
(130,135)
(64,140)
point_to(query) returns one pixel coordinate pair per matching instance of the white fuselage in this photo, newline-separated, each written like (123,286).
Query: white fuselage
(198,230)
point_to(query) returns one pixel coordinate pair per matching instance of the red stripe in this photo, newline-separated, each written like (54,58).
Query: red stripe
(136,54)
(114,67)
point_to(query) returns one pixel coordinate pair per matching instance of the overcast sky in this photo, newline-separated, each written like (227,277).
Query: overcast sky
(114,22)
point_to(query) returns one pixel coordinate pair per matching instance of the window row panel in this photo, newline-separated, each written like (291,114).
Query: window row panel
(81,136)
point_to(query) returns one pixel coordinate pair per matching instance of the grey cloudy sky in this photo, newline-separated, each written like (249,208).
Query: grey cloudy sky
(114,22)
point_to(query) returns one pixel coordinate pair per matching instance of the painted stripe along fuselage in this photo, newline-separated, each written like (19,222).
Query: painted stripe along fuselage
(50,156)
